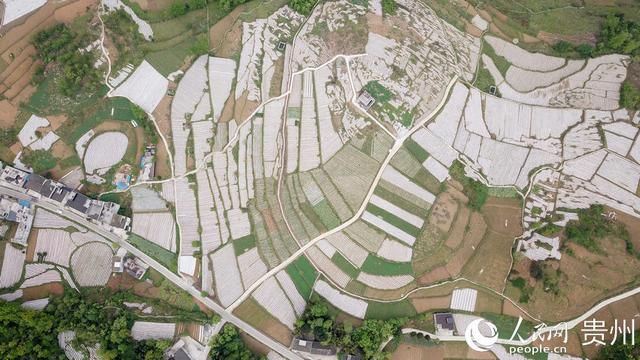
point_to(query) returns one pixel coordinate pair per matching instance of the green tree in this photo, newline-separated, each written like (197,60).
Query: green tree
(389,7)
(39,160)
(8,136)
(563,47)
(304,7)
(372,334)
(619,35)
(27,334)
(229,345)
(584,50)
(629,96)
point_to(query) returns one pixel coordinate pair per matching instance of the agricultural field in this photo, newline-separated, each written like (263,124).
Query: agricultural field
(390,158)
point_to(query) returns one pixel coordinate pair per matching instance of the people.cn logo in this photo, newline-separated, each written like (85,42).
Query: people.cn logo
(476,340)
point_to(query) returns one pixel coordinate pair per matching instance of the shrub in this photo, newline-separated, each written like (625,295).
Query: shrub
(389,7)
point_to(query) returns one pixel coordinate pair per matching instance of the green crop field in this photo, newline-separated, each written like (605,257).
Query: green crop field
(416,150)
(378,266)
(393,220)
(162,255)
(345,265)
(326,214)
(243,244)
(303,275)
(384,311)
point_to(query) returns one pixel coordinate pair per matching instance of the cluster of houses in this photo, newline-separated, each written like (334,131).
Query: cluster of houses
(39,187)
(19,212)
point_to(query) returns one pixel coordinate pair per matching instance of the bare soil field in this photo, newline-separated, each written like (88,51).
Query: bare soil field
(244,108)
(584,279)
(254,345)
(431,303)
(8,113)
(407,351)
(460,350)
(225,36)
(42,291)
(491,261)
(31,245)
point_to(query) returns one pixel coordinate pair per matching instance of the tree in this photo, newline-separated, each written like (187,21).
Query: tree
(229,345)
(618,35)
(39,160)
(8,136)
(535,270)
(370,336)
(563,47)
(629,96)
(27,334)
(584,50)
(620,350)
(389,7)
(304,7)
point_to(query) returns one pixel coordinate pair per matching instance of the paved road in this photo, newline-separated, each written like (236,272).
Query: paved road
(224,314)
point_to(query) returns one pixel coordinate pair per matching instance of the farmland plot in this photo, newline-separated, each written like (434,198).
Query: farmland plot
(346,303)
(522,58)
(352,172)
(287,284)
(222,72)
(273,113)
(188,94)
(187,216)
(251,267)
(226,275)
(12,265)
(596,86)
(158,228)
(91,264)
(31,270)
(332,195)
(395,251)
(395,177)
(28,133)
(67,277)
(146,199)
(384,282)
(104,151)
(273,299)
(419,71)
(47,219)
(309,145)
(209,229)
(143,330)
(351,250)
(38,304)
(261,37)
(202,134)
(219,207)
(13,296)
(80,238)
(44,278)
(330,141)
(388,228)
(145,87)
(15,9)
(328,267)
(56,244)
(526,80)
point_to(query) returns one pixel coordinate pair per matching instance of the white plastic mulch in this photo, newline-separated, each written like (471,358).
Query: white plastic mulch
(105,150)
(145,87)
